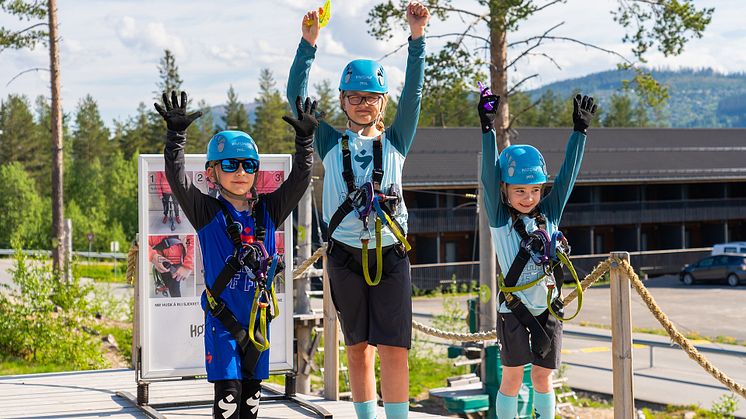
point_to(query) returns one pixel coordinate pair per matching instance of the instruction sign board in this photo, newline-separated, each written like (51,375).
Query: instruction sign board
(171,277)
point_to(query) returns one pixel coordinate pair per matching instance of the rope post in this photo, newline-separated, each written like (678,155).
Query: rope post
(487,272)
(331,341)
(621,338)
(301,302)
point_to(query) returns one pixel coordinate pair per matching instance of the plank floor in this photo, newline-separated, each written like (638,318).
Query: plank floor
(92,394)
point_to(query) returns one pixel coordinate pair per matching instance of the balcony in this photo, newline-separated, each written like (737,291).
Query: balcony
(441,220)
(679,211)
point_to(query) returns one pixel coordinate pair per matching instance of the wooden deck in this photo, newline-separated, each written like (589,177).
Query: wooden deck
(93,394)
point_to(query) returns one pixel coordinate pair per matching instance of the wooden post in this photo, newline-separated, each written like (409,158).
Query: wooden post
(487,270)
(301,302)
(621,339)
(331,341)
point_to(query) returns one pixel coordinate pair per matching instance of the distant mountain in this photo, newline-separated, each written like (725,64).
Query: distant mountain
(698,98)
(218,112)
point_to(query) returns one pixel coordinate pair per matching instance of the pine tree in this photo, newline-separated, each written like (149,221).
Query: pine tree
(271,133)
(90,136)
(169,76)
(328,103)
(236,117)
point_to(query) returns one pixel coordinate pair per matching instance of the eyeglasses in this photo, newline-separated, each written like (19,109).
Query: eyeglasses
(369,100)
(231,165)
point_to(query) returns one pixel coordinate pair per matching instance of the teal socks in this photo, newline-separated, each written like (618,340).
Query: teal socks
(365,410)
(544,404)
(396,410)
(507,407)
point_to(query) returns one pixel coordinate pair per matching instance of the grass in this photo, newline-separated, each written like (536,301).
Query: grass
(728,340)
(10,365)
(100,271)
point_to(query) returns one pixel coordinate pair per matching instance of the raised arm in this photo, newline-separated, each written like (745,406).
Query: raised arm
(490,177)
(326,136)
(282,201)
(196,205)
(554,204)
(402,130)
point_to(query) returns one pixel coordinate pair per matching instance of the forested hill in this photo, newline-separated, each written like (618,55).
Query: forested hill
(698,98)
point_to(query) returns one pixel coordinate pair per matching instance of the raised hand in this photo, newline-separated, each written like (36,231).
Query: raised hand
(487,114)
(175,113)
(417,17)
(310,27)
(583,111)
(306,123)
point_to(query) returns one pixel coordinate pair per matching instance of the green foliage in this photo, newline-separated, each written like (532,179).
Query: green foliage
(271,133)
(29,225)
(328,103)
(90,139)
(451,77)
(201,131)
(30,35)
(100,272)
(235,117)
(451,317)
(725,406)
(46,320)
(549,110)
(169,76)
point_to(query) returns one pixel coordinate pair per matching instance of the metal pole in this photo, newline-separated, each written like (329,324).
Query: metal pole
(621,339)
(487,270)
(302,304)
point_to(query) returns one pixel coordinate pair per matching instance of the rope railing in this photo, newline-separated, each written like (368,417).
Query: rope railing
(601,269)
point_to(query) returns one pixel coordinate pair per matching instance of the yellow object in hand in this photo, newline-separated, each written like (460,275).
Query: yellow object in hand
(325,13)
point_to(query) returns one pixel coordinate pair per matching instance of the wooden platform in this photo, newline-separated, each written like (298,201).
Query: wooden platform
(92,394)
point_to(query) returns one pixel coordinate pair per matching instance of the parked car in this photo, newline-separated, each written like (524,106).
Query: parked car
(733,247)
(728,267)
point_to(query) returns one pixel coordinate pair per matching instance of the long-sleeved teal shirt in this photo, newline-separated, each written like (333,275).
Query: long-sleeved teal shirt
(505,238)
(396,141)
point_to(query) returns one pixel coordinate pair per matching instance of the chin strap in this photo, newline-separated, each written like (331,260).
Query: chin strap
(228,194)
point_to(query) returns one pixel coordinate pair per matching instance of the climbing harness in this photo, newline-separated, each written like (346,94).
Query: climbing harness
(366,200)
(251,253)
(550,254)
(161,287)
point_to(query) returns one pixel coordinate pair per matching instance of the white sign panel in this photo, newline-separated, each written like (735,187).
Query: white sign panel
(171,280)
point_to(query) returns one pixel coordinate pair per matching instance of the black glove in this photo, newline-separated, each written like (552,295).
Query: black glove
(487,117)
(583,111)
(175,115)
(306,123)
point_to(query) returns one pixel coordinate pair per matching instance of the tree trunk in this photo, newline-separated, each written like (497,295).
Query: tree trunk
(58,226)
(499,71)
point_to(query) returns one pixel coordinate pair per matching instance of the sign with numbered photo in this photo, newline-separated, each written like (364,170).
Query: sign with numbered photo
(171,277)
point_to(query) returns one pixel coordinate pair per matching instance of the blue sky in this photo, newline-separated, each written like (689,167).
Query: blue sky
(111,48)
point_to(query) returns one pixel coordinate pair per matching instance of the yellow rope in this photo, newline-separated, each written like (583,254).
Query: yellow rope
(300,270)
(132,263)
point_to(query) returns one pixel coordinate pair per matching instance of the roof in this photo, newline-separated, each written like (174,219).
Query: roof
(448,156)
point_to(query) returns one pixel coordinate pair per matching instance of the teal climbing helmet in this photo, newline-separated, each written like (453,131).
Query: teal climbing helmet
(364,76)
(522,165)
(232,145)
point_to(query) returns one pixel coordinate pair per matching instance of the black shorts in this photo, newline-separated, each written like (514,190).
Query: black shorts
(515,346)
(381,314)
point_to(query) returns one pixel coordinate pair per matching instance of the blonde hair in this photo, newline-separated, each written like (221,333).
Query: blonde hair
(379,124)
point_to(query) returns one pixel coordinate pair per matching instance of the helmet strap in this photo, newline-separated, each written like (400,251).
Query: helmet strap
(228,194)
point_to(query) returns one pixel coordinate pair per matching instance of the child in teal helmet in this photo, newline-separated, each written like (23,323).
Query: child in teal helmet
(364,162)
(237,239)
(522,225)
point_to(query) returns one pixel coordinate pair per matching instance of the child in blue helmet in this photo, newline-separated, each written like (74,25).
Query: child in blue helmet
(520,219)
(363,165)
(237,239)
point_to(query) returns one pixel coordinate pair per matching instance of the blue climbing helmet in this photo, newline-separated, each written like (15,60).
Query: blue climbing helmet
(522,165)
(364,76)
(232,145)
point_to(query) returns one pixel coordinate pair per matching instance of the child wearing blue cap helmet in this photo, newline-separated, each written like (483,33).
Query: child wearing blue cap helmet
(237,238)
(525,231)
(362,206)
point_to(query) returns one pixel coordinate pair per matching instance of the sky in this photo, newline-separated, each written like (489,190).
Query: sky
(111,48)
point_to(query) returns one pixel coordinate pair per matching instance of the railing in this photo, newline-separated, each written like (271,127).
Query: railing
(646,212)
(443,220)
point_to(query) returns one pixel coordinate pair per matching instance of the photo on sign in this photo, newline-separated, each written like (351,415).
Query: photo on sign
(172,264)
(164,213)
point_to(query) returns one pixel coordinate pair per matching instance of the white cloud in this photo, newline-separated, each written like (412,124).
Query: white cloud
(150,37)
